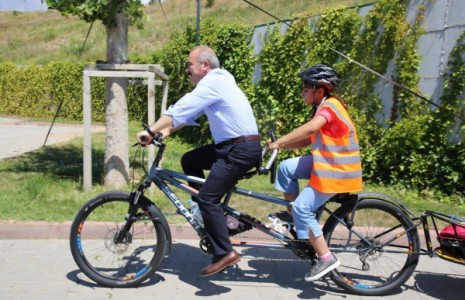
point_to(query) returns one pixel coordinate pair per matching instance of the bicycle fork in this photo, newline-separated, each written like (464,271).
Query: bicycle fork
(123,235)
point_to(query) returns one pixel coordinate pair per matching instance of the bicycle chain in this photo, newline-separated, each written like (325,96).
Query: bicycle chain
(269,245)
(250,257)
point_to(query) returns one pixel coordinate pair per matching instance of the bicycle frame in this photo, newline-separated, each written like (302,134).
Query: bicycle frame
(423,220)
(162,178)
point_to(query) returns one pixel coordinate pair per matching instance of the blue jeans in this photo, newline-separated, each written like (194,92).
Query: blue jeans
(308,201)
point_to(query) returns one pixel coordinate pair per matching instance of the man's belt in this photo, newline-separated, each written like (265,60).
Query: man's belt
(239,140)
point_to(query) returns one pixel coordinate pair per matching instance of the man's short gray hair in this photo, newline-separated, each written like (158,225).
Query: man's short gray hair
(207,54)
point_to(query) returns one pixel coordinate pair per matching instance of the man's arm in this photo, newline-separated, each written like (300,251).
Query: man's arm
(166,132)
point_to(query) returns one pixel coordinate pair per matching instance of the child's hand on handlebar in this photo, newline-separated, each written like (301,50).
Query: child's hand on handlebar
(272,145)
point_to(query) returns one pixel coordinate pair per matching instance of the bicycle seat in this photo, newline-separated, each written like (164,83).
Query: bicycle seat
(344,198)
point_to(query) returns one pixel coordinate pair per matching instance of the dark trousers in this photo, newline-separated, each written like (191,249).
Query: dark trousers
(227,165)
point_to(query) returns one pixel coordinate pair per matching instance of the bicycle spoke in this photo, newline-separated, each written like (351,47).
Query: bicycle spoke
(380,256)
(109,255)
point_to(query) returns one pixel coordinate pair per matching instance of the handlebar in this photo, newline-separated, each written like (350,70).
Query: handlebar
(265,169)
(270,166)
(157,138)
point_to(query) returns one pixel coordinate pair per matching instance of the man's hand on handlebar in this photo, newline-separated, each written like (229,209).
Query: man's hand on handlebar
(144,138)
(147,136)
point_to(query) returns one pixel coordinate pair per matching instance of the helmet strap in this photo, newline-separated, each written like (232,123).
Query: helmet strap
(314,95)
(313,112)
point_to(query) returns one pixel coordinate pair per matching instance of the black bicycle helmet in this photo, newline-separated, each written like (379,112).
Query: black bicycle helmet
(321,75)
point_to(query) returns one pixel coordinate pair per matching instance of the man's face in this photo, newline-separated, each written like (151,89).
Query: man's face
(195,69)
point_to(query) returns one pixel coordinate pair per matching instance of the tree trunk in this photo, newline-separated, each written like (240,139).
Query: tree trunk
(116,170)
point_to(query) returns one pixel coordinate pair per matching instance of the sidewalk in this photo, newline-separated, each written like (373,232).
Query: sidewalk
(21,135)
(43,268)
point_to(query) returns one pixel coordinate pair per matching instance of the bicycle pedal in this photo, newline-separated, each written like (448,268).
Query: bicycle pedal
(280,226)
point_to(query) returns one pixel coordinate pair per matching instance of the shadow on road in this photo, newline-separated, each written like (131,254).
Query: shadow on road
(440,286)
(263,267)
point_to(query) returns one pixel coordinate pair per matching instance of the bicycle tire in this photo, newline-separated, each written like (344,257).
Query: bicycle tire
(370,270)
(125,264)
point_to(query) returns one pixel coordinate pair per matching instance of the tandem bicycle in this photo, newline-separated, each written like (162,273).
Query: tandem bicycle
(120,238)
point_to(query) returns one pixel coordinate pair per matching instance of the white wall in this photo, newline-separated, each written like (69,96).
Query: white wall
(444,23)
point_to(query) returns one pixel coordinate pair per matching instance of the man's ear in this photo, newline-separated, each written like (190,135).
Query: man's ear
(207,65)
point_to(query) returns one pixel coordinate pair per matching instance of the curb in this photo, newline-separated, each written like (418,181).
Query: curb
(19,230)
(16,230)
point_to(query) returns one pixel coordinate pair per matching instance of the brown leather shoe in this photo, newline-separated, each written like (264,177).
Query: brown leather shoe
(219,264)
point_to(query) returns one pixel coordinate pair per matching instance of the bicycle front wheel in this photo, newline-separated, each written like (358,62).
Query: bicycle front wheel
(109,256)
(378,253)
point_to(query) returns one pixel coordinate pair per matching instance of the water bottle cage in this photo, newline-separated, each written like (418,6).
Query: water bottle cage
(196,213)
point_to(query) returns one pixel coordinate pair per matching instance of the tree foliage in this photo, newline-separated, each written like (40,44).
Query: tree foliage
(103,10)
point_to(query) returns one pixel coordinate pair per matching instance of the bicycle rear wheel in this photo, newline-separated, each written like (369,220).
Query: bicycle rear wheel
(376,255)
(113,263)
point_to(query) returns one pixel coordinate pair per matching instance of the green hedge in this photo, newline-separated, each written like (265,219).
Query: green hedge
(38,91)
(413,145)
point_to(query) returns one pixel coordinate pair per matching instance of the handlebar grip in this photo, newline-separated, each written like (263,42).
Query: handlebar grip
(147,128)
(270,165)
(271,135)
(272,159)
(142,139)
(156,137)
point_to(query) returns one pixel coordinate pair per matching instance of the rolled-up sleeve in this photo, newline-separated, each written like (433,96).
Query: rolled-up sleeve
(191,106)
(172,111)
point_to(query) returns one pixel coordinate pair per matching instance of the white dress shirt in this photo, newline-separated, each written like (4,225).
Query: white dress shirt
(227,108)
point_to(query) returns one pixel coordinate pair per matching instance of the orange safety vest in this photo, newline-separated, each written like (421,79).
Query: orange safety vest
(337,166)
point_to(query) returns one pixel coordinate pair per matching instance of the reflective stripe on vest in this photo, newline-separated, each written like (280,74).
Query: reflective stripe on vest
(337,164)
